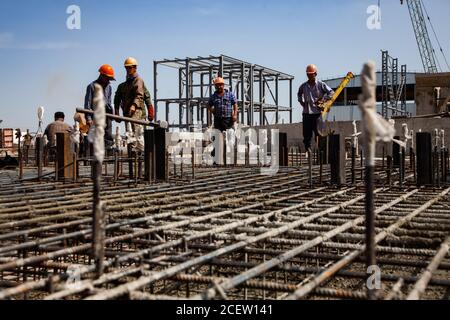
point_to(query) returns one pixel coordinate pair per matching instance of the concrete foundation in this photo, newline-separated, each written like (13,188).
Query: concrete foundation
(295,135)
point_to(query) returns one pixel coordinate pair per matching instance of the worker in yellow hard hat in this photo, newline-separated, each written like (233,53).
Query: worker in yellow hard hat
(130,95)
(125,96)
(132,92)
(104,79)
(223,105)
(311,95)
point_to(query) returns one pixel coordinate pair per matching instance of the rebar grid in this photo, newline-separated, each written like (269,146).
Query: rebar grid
(229,234)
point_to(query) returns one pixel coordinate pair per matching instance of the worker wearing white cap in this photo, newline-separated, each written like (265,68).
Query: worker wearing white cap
(311,95)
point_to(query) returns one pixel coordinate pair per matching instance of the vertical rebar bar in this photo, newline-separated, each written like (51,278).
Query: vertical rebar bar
(98,209)
(321,166)
(74,165)
(193,164)
(181,164)
(367,105)
(353,164)
(116,166)
(402,167)
(310,168)
(99,217)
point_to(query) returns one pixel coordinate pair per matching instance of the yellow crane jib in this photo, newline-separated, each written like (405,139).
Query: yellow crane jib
(326,106)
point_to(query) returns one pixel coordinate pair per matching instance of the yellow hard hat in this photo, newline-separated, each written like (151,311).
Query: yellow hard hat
(129,62)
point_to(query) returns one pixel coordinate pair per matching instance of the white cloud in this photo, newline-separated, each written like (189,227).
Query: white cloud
(7,41)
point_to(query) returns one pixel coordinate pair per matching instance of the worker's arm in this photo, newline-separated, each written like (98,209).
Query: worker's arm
(108,98)
(88,103)
(46,131)
(300,96)
(235,107)
(211,105)
(235,112)
(328,92)
(118,100)
(139,95)
(148,103)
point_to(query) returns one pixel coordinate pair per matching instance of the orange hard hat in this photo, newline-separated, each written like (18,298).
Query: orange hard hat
(107,70)
(219,80)
(311,69)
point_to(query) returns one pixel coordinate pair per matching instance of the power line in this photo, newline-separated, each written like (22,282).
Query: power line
(435,35)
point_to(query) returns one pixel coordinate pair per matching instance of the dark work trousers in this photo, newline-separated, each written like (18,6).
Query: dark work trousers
(109,140)
(310,127)
(223,124)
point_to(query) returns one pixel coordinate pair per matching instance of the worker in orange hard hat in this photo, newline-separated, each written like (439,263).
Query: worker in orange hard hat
(223,105)
(311,95)
(107,71)
(104,79)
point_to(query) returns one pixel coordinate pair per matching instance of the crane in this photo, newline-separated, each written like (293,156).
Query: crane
(426,50)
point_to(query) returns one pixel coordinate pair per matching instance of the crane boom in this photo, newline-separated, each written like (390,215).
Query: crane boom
(426,50)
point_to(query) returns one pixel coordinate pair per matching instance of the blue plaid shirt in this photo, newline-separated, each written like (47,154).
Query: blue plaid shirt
(223,106)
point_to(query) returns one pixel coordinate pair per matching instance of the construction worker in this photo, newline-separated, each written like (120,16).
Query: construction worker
(118,98)
(55,127)
(104,79)
(223,105)
(312,95)
(130,97)
(84,129)
(27,141)
(81,119)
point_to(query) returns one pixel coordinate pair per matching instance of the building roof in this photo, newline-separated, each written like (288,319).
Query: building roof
(356,82)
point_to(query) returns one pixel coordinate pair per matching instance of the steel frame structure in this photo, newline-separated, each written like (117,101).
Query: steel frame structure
(393,90)
(246,80)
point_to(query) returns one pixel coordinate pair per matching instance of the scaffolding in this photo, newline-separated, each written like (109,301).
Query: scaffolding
(257,90)
(393,90)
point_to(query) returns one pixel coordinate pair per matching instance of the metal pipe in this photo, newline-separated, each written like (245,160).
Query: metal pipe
(120,119)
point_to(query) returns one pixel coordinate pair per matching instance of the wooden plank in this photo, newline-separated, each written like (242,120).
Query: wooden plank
(64,156)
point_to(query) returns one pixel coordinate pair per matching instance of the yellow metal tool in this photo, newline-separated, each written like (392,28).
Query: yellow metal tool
(326,106)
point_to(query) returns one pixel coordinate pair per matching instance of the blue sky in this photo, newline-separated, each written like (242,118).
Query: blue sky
(44,64)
